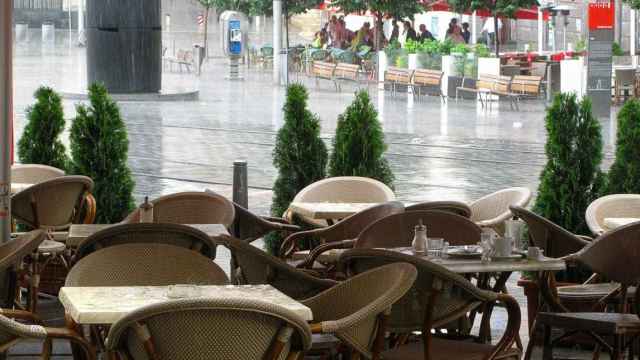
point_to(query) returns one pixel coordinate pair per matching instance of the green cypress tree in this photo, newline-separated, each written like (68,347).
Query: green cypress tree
(99,146)
(40,142)
(572,177)
(358,147)
(624,175)
(300,155)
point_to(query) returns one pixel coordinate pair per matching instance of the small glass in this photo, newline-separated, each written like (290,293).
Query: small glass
(487,246)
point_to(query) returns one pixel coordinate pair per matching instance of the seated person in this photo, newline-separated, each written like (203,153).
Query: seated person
(424,33)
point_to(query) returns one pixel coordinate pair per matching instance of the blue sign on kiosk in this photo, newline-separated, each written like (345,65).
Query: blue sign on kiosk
(235,37)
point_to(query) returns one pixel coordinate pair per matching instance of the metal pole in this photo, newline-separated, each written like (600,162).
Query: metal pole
(617,28)
(277,40)
(81,22)
(240,186)
(632,36)
(6,116)
(474,30)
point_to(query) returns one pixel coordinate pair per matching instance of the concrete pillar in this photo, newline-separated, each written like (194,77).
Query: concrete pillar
(617,28)
(632,35)
(474,28)
(81,34)
(277,40)
(124,45)
(540,31)
(6,116)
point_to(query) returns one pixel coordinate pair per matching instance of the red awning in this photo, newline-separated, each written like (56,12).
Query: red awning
(522,14)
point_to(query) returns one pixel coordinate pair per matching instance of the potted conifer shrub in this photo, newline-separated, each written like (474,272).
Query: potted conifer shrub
(624,174)
(99,147)
(571,178)
(300,155)
(40,142)
(358,146)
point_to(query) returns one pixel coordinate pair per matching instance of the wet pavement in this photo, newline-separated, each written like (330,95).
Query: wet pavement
(452,151)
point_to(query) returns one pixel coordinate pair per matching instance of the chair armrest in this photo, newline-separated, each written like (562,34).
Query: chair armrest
(290,244)
(74,338)
(275,219)
(21,315)
(513,324)
(320,249)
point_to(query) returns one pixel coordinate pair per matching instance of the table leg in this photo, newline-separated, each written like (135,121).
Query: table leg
(485,324)
(76,350)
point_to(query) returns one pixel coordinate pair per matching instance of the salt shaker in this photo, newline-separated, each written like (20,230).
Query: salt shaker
(419,243)
(146,211)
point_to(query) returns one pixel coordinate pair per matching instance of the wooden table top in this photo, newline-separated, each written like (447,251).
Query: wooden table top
(463,265)
(77,233)
(106,305)
(328,210)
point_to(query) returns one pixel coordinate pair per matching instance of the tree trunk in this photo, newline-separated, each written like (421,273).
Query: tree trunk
(377,32)
(496,34)
(206,32)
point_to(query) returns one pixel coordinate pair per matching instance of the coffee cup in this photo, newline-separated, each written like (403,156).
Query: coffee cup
(534,253)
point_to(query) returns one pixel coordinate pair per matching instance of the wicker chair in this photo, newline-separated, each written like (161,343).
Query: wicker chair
(11,331)
(249,226)
(355,310)
(610,206)
(12,254)
(53,204)
(615,257)
(189,208)
(437,298)
(208,329)
(172,234)
(492,211)
(34,173)
(350,189)
(347,229)
(145,265)
(252,266)
(454,207)
(398,230)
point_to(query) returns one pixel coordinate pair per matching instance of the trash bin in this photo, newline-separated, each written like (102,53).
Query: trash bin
(22,32)
(48,32)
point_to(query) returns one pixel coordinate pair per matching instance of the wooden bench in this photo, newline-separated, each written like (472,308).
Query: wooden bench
(182,58)
(346,72)
(526,86)
(397,76)
(488,85)
(429,79)
(323,70)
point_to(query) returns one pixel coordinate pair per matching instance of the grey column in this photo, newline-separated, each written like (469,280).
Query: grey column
(6,116)
(124,45)
(277,40)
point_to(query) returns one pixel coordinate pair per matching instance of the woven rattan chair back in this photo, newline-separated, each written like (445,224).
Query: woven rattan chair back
(189,208)
(458,295)
(210,329)
(454,207)
(611,206)
(253,266)
(553,239)
(145,265)
(344,189)
(172,234)
(352,310)
(494,207)
(346,229)
(34,173)
(398,230)
(615,255)
(52,204)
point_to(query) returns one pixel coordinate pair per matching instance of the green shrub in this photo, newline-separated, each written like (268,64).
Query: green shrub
(572,177)
(624,175)
(358,146)
(300,155)
(616,49)
(40,142)
(99,146)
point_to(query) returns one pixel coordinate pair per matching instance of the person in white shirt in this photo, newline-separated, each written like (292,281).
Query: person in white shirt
(489,30)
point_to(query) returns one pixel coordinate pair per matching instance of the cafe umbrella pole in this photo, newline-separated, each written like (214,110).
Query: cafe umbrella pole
(6,117)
